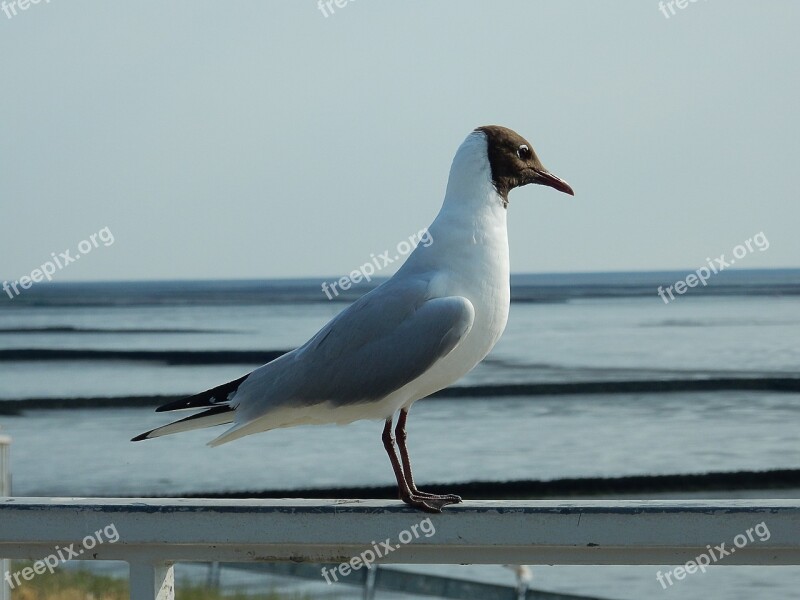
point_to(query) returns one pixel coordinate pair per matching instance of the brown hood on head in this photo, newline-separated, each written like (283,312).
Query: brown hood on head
(514,162)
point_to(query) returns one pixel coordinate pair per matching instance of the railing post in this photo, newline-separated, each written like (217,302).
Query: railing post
(5,490)
(152,581)
(212,578)
(369,582)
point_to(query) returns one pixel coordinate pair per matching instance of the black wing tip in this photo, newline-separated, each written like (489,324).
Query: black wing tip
(214,410)
(213,397)
(174,405)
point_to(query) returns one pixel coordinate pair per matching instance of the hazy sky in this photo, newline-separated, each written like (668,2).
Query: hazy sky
(261,139)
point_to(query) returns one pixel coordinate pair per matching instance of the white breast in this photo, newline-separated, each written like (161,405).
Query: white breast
(469,253)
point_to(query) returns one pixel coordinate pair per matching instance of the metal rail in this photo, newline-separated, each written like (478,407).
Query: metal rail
(152,534)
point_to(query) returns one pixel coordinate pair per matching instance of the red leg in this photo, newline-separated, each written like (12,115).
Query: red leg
(406,495)
(439,500)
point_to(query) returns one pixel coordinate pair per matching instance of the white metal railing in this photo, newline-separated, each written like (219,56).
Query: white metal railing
(5,490)
(155,533)
(5,465)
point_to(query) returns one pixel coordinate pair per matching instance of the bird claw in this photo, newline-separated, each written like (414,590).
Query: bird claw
(451,498)
(432,503)
(422,505)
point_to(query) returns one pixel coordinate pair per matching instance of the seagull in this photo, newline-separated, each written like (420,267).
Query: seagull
(413,335)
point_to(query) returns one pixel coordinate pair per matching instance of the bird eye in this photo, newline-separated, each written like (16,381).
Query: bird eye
(524,152)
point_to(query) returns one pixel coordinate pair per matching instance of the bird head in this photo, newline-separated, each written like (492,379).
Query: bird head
(514,162)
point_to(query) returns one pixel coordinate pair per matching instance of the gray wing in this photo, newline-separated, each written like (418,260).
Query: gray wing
(383,341)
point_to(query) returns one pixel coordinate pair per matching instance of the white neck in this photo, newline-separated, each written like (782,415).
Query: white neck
(472,218)
(472,210)
(470,191)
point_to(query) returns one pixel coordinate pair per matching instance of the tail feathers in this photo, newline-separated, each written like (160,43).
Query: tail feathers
(273,419)
(213,397)
(218,415)
(234,433)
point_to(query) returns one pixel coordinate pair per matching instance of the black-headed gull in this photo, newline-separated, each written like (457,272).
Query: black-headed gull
(415,334)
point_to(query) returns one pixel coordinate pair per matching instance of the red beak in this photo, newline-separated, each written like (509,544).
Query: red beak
(548,179)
